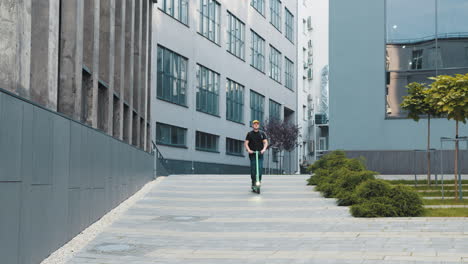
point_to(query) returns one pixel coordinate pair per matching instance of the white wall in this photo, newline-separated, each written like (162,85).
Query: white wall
(318,11)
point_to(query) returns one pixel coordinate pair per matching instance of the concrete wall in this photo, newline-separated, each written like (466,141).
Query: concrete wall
(85,59)
(357,85)
(57,177)
(186,41)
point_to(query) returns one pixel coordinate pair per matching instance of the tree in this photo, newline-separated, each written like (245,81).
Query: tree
(449,96)
(417,105)
(282,135)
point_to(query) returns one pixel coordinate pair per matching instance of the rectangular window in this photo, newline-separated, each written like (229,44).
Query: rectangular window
(289,25)
(257,52)
(275,110)
(416,63)
(275,64)
(207,90)
(170,135)
(256,106)
(234,101)
(304,112)
(234,147)
(275,8)
(210,16)
(304,26)
(177,9)
(172,76)
(206,142)
(259,5)
(235,36)
(289,73)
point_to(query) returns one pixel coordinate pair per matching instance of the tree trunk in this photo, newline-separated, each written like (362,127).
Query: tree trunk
(280,159)
(456,162)
(429,150)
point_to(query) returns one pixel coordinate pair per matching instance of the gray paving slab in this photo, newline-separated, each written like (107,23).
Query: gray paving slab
(216,219)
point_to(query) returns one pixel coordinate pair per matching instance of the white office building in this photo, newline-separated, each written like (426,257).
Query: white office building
(217,66)
(312,72)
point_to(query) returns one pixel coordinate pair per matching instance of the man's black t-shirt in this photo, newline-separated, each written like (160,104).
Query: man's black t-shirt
(256,140)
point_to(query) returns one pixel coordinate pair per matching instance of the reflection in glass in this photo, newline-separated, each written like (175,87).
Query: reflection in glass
(424,38)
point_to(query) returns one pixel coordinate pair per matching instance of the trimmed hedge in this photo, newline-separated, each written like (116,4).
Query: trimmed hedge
(348,180)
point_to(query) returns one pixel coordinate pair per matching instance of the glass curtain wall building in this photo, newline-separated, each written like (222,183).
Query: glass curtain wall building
(378,47)
(423,44)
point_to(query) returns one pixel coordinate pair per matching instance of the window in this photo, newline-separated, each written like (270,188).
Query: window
(289,25)
(416,63)
(234,101)
(275,110)
(275,64)
(304,58)
(234,147)
(177,9)
(304,112)
(210,16)
(170,135)
(304,26)
(256,106)
(257,52)
(259,5)
(289,73)
(275,8)
(236,36)
(207,90)
(206,142)
(172,76)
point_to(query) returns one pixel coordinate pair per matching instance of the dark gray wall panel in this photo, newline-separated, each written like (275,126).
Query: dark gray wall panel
(36,228)
(409,162)
(76,170)
(10,193)
(11,111)
(56,178)
(42,141)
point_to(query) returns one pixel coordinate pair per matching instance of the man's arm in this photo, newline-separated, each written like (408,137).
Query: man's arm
(246,145)
(265,146)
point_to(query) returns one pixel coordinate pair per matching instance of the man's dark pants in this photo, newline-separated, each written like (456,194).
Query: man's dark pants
(253,169)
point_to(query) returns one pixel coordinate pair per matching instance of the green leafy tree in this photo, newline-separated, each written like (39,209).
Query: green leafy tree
(449,96)
(416,103)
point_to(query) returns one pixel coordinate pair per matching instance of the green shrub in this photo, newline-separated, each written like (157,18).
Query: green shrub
(399,201)
(406,201)
(373,188)
(348,180)
(329,163)
(373,208)
(347,183)
(330,160)
(319,176)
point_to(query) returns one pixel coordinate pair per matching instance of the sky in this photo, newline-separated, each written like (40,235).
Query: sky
(412,19)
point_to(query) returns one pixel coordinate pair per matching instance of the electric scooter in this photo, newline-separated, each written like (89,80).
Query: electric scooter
(256,188)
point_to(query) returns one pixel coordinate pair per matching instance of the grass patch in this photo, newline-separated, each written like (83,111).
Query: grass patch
(445,212)
(439,193)
(424,182)
(445,202)
(436,188)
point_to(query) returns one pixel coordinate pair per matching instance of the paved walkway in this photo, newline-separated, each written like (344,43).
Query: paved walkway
(207,219)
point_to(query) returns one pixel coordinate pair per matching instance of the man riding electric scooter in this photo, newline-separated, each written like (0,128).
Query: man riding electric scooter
(256,144)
